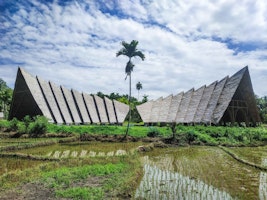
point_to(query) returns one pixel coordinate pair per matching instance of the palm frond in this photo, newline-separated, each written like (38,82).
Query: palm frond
(139,54)
(129,67)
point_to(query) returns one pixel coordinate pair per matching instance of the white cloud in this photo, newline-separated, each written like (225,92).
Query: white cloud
(75,45)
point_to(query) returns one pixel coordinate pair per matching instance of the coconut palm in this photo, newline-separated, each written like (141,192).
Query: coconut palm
(130,51)
(139,87)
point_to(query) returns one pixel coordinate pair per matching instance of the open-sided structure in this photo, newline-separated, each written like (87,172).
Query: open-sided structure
(33,96)
(229,100)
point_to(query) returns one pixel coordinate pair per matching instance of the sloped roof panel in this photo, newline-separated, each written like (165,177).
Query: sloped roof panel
(78,98)
(155,110)
(145,111)
(101,109)
(48,94)
(204,102)
(110,110)
(71,105)
(22,100)
(184,106)
(193,105)
(121,110)
(36,93)
(174,107)
(164,109)
(61,103)
(90,105)
(207,117)
(227,95)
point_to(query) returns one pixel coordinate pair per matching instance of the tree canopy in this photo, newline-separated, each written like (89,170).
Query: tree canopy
(5,97)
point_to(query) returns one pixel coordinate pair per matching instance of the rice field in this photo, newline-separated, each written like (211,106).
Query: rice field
(199,173)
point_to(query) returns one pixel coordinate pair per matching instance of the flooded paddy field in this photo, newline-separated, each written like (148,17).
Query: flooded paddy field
(8,165)
(199,173)
(20,141)
(83,149)
(65,150)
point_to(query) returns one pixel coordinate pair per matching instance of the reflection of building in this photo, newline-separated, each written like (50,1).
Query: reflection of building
(263,182)
(229,100)
(33,96)
(164,184)
(1,115)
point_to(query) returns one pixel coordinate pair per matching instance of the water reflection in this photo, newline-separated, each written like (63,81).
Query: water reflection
(164,184)
(263,182)
(199,173)
(85,153)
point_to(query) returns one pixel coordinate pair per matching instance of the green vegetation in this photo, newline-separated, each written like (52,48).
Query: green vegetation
(196,135)
(65,180)
(76,178)
(5,97)
(218,135)
(262,105)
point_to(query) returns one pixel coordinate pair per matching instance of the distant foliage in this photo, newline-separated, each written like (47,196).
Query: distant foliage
(125,99)
(262,105)
(5,97)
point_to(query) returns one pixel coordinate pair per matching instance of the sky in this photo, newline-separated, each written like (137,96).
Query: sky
(187,43)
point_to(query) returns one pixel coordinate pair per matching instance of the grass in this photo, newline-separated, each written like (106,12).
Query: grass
(81,193)
(69,178)
(113,178)
(135,131)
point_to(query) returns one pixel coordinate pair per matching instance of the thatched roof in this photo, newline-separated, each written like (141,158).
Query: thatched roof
(228,100)
(33,96)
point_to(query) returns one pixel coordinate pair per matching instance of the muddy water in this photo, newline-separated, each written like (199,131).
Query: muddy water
(15,164)
(199,173)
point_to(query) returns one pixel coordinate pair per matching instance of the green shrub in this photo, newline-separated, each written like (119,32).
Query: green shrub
(191,136)
(22,129)
(38,126)
(153,132)
(13,125)
(27,120)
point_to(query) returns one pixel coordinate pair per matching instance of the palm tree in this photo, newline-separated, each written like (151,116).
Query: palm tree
(130,51)
(139,87)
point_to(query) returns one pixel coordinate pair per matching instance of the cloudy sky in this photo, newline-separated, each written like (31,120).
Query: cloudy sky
(187,43)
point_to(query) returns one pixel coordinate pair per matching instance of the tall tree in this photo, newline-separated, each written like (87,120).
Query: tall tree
(139,87)
(130,50)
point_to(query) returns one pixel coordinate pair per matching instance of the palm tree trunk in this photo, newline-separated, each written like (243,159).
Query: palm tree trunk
(130,114)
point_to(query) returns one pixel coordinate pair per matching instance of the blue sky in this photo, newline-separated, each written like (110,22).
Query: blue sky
(187,44)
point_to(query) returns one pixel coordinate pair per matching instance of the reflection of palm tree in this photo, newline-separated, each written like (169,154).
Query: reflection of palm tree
(139,87)
(130,51)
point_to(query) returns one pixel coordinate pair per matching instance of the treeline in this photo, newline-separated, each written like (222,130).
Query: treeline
(5,98)
(262,105)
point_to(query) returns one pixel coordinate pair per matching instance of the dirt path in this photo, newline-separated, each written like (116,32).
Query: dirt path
(29,191)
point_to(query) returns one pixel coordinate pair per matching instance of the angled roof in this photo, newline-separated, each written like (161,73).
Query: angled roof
(228,100)
(28,97)
(33,96)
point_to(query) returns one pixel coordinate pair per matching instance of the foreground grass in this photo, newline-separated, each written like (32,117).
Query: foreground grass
(94,178)
(65,180)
